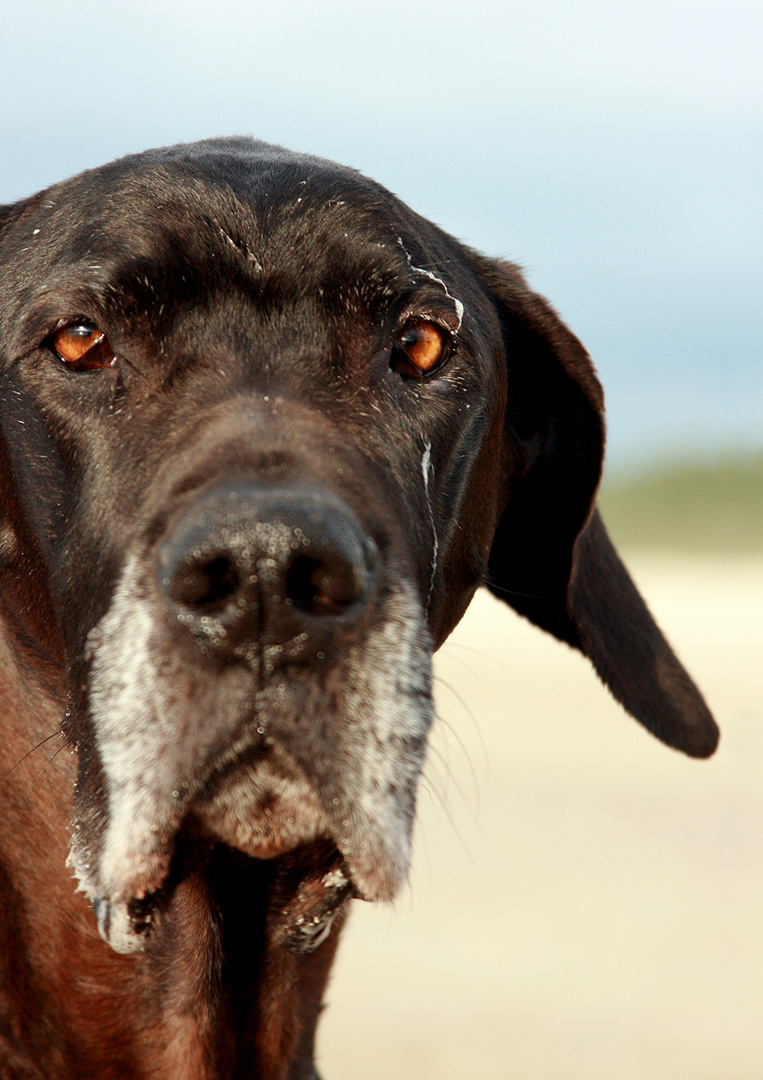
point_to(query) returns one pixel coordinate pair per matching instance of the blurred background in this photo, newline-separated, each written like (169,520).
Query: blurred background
(584,902)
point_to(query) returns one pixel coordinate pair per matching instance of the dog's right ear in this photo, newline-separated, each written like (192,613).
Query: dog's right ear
(551,557)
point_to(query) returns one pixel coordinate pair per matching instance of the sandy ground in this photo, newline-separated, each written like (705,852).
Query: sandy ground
(585,904)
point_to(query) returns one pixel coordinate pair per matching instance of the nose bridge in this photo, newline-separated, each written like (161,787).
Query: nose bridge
(271,437)
(251,564)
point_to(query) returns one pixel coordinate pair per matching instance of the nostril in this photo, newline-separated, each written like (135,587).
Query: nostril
(324,587)
(247,567)
(205,585)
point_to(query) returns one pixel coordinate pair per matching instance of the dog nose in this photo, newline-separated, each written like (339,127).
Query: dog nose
(249,565)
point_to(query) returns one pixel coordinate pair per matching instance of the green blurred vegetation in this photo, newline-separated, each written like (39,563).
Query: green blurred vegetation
(710,507)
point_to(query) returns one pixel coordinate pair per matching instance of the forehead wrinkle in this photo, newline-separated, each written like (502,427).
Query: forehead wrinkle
(175,233)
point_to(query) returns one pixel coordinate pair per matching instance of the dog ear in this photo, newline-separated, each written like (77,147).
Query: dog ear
(551,557)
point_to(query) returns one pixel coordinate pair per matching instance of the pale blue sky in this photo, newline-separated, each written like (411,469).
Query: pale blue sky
(616,151)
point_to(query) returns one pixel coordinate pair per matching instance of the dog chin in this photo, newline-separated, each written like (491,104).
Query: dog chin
(272,810)
(268,811)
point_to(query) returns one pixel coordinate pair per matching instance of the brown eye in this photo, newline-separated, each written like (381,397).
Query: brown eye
(82,347)
(421,347)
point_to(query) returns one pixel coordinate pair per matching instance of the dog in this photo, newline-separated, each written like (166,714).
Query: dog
(264,433)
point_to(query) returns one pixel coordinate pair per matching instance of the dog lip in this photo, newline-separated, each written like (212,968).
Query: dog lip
(126,924)
(310,888)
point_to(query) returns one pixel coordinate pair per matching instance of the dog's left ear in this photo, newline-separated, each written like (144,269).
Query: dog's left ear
(551,558)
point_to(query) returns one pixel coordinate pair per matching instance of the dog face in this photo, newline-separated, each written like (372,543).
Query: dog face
(266,431)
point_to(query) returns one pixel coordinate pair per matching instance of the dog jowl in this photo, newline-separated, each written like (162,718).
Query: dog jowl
(264,431)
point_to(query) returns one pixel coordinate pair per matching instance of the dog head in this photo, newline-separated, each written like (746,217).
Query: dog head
(265,431)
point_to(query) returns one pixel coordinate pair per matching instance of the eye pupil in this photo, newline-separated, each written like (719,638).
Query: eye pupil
(83,330)
(82,347)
